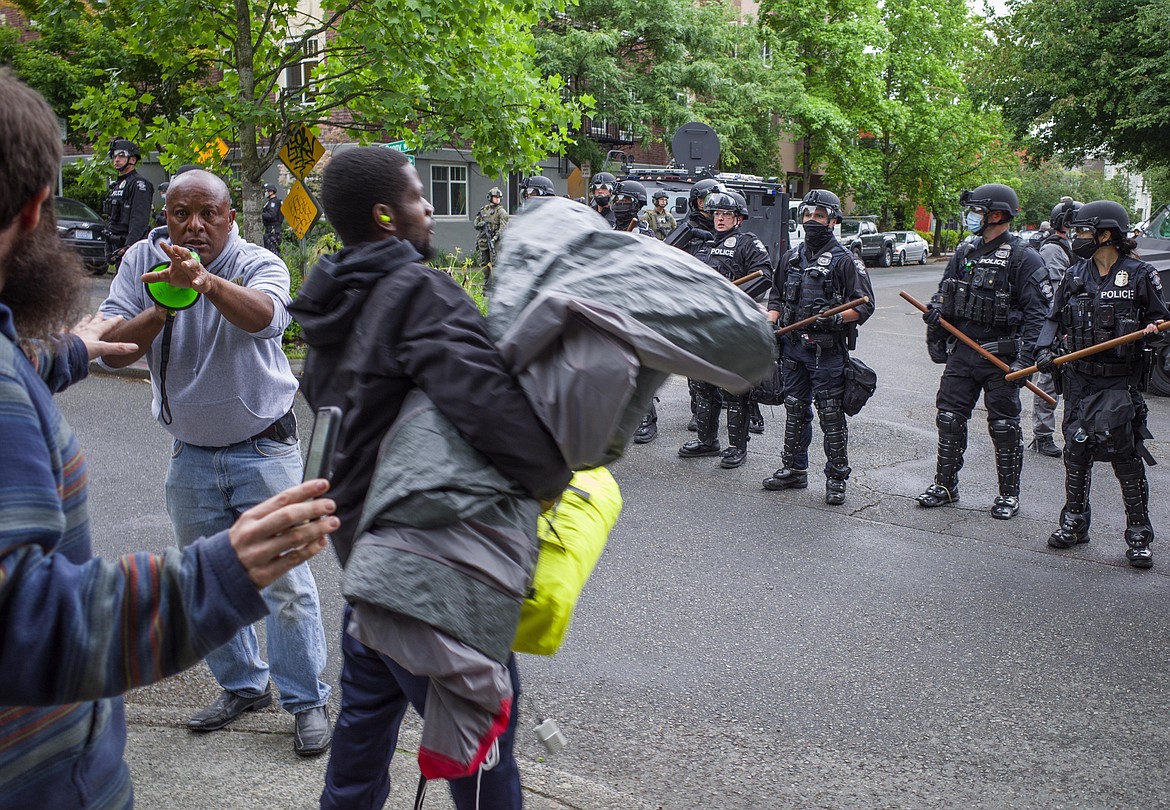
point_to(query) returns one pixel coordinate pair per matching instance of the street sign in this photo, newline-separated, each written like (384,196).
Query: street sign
(400,146)
(209,151)
(299,210)
(302,152)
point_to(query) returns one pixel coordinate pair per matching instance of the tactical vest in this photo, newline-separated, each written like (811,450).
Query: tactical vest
(982,290)
(1092,316)
(809,290)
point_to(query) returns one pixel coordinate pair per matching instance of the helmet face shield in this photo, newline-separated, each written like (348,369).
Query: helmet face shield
(817,213)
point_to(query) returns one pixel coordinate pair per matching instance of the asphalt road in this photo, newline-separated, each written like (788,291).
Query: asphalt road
(738,648)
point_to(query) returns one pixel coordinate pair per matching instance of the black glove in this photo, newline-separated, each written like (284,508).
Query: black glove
(1017,365)
(1044,361)
(932,315)
(829,322)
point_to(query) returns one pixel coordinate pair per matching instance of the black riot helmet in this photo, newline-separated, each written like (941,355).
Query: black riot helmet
(992,197)
(821,198)
(660,195)
(722,201)
(1099,215)
(632,190)
(743,206)
(699,191)
(537,186)
(122,145)
(1063,213)
(602,179)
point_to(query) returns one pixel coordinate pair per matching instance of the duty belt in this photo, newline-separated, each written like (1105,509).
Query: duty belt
(1099,369)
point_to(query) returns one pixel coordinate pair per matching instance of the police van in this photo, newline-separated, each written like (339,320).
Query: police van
(695,149)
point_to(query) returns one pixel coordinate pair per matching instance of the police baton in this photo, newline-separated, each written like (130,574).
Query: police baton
(748,277)
(1128,337)
(809,321)
(986,355)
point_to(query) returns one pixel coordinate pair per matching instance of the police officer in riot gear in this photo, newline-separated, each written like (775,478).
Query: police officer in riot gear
(996,292)
(601,187)
(659,219)
(734,254)
(629,198)
(1107,293)
(129,202)
(536,186)
(809,280)
(1057,256)
(271,217)
(698,228)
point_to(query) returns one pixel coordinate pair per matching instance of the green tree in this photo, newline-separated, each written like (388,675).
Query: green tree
(928,140)
(835,46)
(1085,77)
(1042,184)
(651,66)
(427,71)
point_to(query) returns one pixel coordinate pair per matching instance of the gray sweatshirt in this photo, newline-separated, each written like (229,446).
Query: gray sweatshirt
(224,385)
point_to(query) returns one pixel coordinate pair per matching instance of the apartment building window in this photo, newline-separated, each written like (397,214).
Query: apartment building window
(449,190)
(298,75)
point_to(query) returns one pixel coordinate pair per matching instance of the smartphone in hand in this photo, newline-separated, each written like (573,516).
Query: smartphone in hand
(322,442)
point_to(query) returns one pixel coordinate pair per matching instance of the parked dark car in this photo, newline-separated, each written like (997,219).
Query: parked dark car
(83,230)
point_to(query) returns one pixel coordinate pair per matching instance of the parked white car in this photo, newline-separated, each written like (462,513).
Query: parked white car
(910,247)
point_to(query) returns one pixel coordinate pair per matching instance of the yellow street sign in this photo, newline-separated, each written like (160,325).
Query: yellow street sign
(302,152)
(299,210)
(209,151)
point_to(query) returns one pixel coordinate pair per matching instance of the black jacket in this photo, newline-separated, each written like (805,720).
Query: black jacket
(380,324)
(128,208)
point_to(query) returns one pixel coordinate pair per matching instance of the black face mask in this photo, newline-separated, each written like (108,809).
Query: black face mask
(817,235)
(1085,247)
(601,202)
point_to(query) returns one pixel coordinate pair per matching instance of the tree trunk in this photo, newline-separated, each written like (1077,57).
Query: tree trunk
(935,250)
(251,172)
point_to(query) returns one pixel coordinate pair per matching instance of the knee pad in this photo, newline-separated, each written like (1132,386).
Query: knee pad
(1005,431)
(828,402)
(951,424)
(1079,450)
(797,409)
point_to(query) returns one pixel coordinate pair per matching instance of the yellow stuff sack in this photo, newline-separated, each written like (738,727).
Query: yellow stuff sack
(572,536)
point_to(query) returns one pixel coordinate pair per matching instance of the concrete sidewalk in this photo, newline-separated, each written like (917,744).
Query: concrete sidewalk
(251,765)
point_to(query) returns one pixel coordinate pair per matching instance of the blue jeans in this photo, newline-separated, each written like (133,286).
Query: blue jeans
(375,692)
(207,490)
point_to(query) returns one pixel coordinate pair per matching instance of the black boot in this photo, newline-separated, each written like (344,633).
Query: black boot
(1008,439)
(755,418)
(648,430)
(737,429)
(1076,516)
(836,435)
(797,434)
(952,443)
(707,421)
(1135,494)
(1043,444)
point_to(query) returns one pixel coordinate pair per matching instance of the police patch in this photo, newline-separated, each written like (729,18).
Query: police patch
(1155,280)
(860,265)
(142,185)
(824,260)
(1003,252)
(1121,279)
(730,241)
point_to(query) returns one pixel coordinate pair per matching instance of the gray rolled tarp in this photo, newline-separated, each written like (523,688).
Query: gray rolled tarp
(593,321)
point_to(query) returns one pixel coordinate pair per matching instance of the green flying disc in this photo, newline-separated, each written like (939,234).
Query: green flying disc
(167,295)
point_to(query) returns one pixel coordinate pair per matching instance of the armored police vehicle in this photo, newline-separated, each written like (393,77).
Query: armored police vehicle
(695,152)
(1154,247)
